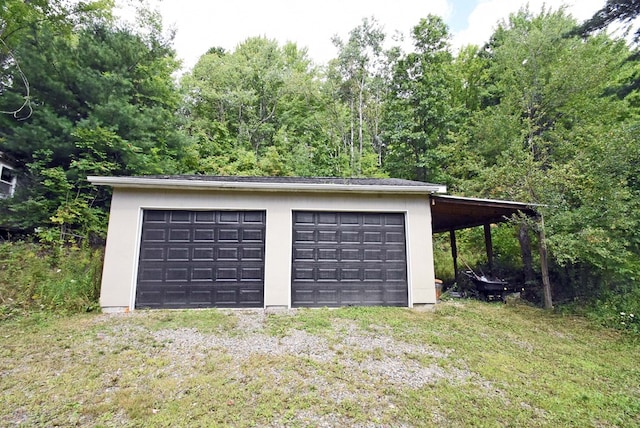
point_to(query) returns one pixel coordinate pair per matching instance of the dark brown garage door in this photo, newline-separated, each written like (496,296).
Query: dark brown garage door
(192,259)
(342,259)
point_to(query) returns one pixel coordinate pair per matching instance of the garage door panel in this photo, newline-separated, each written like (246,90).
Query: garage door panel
(154,235)
(155,217)
(201,259)
(252,254)
(180,216)
(349,236)
(373,255)
(390,237)
(329,255)
(372,219)
(301,218)
(373,275)
(304,274)
(204,235)
(176,297)
(153,254)
(251,297)
(327,236)
(203,254)
(252,235)
(373,237)
(228,253)
(151,275)
(179,235)
(327,274)
(325,297)
(350,254)
(202,274)
(228,235)
(304,296)
(206,217)
(201,297)
(304,236)
(396,275)
(177,254)
(349,259)
(253,217)
(395,255)
(229,217)
(177,274)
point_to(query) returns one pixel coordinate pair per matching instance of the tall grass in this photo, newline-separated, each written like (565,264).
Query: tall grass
(39,278)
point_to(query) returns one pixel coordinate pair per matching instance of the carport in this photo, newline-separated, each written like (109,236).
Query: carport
(451,213)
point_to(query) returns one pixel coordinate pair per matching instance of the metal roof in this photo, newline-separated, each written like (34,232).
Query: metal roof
(456,212)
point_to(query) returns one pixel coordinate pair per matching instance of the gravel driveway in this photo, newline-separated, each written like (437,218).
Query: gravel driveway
(358,356)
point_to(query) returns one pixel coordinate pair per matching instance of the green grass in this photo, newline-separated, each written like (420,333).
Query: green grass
(492,365)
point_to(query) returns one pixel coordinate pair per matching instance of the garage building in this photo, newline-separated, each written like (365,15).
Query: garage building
(238,242)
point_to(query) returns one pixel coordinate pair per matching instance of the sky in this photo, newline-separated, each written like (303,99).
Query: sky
(202,24)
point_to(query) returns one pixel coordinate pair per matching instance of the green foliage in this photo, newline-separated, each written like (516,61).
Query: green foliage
(104,103)
(614,308)
(546,132)
(38,278)
(419,113)
(621,11)
(263,110)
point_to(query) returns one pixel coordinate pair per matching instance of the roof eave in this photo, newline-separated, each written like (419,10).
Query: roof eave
(490,202)
(168,183)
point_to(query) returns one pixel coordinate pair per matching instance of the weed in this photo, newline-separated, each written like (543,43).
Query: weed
(34,278)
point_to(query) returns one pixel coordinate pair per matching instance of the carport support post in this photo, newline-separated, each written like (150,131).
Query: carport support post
(454,253)
(489,245)
(544,267)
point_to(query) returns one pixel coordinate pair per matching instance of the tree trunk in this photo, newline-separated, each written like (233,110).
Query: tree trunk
(454,254)
(488,243)
(525,251)
(360,122)
(351,142)
(546,284)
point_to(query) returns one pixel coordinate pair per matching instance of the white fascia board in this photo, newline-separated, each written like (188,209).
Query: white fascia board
(490,201)
(168,183)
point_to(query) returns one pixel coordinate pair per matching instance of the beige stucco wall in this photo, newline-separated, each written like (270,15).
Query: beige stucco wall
(125,223)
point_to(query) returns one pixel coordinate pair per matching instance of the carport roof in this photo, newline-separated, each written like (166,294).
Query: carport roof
(457,212)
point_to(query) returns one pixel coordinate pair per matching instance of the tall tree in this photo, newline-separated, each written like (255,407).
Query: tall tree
(17,19)
(263,109)
(621,11)
(419,114)
(360,68)
(103,103)
(624,13)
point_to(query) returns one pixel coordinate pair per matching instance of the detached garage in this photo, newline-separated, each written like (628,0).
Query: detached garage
(238,242)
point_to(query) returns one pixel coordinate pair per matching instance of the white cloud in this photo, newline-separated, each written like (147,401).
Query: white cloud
(202,24)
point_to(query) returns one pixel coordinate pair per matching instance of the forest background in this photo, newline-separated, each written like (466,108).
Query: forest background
(546,112)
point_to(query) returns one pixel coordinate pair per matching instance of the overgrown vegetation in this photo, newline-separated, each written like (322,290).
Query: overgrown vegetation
(38,278)
(466,364)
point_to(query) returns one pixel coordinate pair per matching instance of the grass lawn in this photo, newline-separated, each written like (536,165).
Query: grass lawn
(467,363)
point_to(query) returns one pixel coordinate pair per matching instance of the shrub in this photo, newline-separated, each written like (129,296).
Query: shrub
(34,277)
(618,308)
